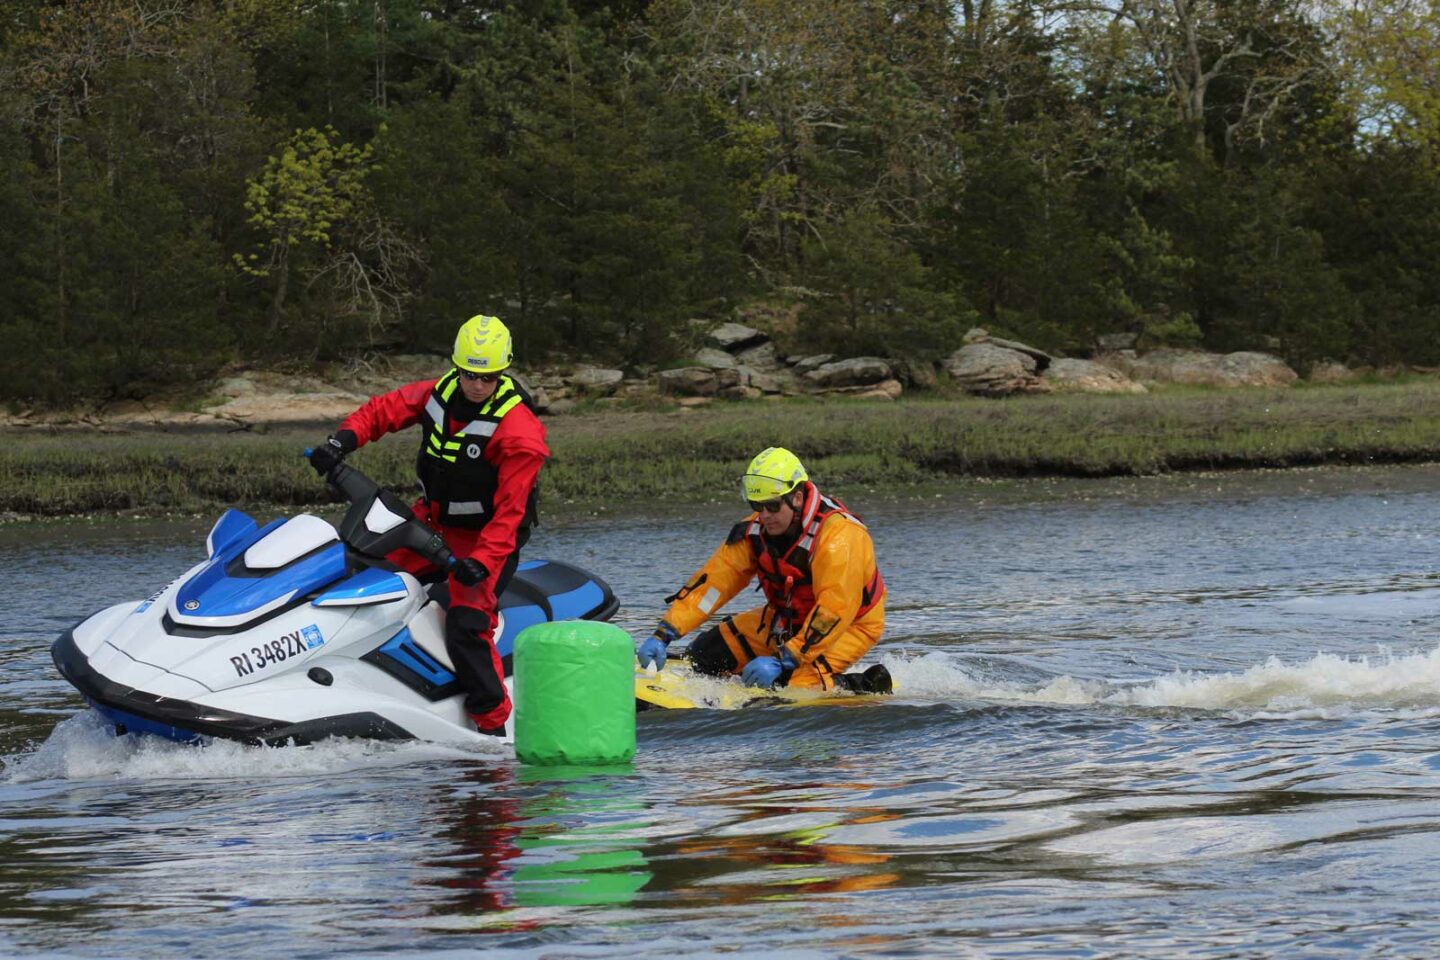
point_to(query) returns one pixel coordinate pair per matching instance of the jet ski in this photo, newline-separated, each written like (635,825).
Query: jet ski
(296,631)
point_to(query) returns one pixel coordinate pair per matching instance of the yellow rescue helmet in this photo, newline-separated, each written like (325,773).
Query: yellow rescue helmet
(482,345)
(772,474)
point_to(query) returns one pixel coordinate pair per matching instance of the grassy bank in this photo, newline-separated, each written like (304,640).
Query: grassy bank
(617,456)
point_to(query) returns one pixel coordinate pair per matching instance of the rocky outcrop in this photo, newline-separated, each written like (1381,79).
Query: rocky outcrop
(1086,376)
(990,370)
(596,381)
(688,382)
(857,371)
(1197,368)
(734,337)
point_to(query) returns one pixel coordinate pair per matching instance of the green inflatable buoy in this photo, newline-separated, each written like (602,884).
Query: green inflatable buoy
(574,694)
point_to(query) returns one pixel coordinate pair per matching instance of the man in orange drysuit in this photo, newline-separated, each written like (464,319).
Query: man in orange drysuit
(481,449)
(825,599)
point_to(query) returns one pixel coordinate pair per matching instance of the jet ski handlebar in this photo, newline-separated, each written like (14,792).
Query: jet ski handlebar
(378,522)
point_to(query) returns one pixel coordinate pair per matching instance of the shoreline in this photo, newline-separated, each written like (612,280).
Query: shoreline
(612,457)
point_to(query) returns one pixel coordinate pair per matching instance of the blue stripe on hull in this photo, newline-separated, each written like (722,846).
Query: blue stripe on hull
(134,724)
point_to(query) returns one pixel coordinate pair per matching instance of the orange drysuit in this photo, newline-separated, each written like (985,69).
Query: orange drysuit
(825,599)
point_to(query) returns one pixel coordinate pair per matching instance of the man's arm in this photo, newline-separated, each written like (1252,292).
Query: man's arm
(518,451)
(728,571)
(389,412)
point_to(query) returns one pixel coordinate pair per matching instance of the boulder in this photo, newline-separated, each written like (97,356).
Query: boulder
(714,359)
(236,387)
(732,377)
(884,390)
(760,357)
(916,373)
(1198,368)
(1087,376)
(735,337)
(1331,372)
(857,371)
(994,371)
(806,364)
(596,380)
(767,382)
(688,382)
(975,335)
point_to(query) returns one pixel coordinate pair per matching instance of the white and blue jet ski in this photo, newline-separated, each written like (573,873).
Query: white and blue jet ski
(294,632)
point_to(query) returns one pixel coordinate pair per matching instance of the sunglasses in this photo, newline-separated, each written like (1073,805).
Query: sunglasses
(482,377)
(769,506)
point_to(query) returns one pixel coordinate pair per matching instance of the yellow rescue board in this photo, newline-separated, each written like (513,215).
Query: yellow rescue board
(678,687)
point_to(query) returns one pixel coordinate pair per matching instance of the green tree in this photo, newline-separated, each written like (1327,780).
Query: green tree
(305,194)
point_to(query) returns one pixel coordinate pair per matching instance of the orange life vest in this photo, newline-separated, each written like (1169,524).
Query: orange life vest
(785,576)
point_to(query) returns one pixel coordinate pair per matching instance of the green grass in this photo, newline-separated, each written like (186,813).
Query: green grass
(619,456)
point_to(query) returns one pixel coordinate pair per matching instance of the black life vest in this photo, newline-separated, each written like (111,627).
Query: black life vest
(785,570)
(454,474)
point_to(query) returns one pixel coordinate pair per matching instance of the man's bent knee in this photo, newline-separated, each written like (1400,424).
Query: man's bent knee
(710,655)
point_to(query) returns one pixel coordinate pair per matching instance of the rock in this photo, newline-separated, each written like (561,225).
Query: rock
(688,382)
(735,336)
(1115,342)
(857,371)
(687,403)
(884,390)
(289,408)
(976,335)
(541,398)
(994,371)
(766,382)
(741,392)
(561,406)
(1198,368)
(1331,372)
(236,387)
(1087,376)
(596,380)
(916,373)
(761,357)
(715,359)
(732,377)
(806,364)
(1042,359)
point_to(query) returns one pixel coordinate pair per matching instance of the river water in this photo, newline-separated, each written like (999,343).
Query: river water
(1182,717)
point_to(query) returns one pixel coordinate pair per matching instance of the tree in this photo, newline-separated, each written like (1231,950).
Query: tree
(306,192)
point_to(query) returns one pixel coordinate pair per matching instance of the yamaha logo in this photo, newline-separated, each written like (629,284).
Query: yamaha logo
(192,604)
(473,451)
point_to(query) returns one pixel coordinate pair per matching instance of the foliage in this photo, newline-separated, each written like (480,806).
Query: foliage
(1237,174)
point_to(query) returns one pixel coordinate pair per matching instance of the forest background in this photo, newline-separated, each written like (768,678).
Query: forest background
(185,185)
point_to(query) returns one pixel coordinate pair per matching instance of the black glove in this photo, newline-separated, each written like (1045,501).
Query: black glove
(327,455)
(469,571)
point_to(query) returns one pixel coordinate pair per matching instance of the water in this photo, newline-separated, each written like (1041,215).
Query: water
(1194,717)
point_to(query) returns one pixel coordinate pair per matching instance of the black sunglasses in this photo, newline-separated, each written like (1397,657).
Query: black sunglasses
(482,377)
(769,506)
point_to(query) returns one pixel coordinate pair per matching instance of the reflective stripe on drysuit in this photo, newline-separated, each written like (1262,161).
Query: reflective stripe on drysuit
(845,620)
(514,449)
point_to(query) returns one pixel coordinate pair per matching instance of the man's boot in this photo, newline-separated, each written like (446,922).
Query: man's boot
(875,679)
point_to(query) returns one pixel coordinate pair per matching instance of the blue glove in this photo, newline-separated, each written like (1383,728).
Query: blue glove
(761,672)
(653,649)
(769,672)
